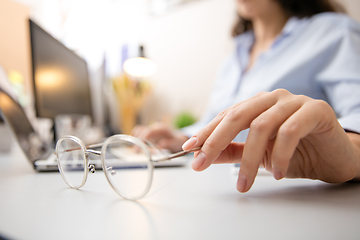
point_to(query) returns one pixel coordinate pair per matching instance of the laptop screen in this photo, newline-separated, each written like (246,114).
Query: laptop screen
(16,119)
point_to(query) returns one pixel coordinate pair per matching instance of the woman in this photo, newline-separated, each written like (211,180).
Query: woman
(306,48)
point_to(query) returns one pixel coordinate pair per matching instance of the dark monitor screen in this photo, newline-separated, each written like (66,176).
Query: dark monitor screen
(21,127)
(60,77)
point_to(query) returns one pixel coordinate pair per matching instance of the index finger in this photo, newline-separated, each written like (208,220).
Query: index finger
(200,137)
(234,121)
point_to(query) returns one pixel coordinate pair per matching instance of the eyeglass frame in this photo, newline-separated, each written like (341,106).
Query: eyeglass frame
(144,144)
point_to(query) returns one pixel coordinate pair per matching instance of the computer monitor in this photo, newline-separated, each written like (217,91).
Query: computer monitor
(60,77)
(17,121)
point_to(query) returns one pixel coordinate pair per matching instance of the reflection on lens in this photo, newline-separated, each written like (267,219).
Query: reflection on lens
(127,166)
(72,162)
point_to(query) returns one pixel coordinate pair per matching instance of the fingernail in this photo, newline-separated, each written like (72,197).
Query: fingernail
(198,161)
(241,182)
(189,143)
(277,174)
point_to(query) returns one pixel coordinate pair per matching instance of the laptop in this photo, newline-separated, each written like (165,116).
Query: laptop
(41,154)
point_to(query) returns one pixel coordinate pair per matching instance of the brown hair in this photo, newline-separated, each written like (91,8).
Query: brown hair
(297,8)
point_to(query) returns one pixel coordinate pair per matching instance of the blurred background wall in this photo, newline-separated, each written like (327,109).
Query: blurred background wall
(14,40)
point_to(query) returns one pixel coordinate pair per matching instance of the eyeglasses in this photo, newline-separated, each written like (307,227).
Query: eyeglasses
(127,162)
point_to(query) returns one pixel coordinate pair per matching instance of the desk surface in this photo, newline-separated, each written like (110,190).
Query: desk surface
(182,204)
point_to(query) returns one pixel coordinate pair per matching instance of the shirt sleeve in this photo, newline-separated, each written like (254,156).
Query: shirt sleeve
(340,78)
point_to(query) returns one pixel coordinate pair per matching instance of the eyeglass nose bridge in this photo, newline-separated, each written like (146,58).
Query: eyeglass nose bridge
(93,152)
(91,167)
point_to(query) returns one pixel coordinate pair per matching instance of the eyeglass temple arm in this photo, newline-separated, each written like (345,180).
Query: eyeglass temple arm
(95,145)
(172,156)
(175,155)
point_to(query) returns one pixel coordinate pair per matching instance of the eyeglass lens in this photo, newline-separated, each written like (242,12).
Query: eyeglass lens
(72,163)
(127,167)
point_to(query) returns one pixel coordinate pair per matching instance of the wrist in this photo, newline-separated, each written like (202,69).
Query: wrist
(355,140)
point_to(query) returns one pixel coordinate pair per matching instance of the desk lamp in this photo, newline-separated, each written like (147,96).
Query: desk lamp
(140,67)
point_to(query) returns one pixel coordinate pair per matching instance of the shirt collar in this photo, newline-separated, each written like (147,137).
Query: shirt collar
(290,26)
(245,41)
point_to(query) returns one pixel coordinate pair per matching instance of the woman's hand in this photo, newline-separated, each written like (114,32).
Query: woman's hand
(160,135)
(290,135)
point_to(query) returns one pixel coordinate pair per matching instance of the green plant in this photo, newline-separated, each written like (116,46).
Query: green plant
(184,119)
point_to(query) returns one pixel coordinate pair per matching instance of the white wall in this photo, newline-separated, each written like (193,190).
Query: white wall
(188,45)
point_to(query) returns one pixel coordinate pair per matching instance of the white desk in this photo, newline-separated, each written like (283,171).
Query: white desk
(182,204)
